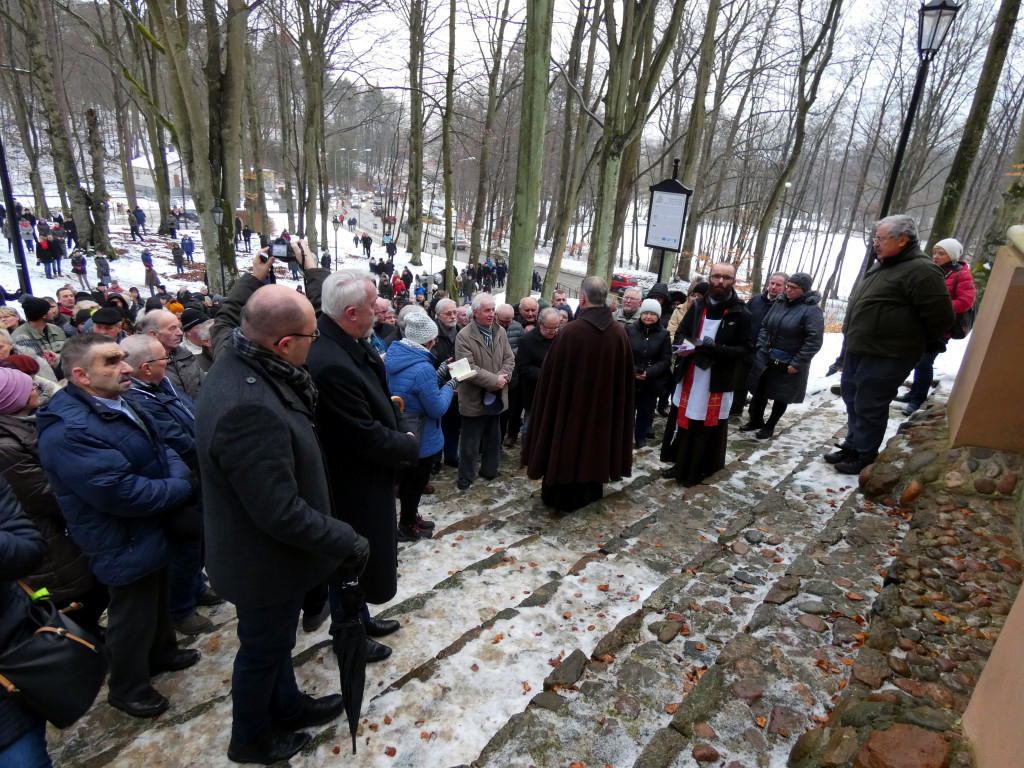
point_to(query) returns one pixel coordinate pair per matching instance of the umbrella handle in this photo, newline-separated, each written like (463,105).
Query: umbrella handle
(399,402)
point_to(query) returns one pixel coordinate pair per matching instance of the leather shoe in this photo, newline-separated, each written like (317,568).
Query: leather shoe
(381,627)
(752,426)
(428,489)
(311,622)
(904,398)
(464,484)
(150,704)
(313,712)
(209,597)
(183,658)
(843,454)
(853,466)
(376,651)
(668,473)
(272,746)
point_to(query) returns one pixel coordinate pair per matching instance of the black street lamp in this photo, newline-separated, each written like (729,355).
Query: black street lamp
(218,219)
(336,223)
(934,20)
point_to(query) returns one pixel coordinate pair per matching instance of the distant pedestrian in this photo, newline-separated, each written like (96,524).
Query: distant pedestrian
(367,241)
(140,218)
(178,255)
(247,237)
(172,224)
(102,268)
(78,269)
(187,246)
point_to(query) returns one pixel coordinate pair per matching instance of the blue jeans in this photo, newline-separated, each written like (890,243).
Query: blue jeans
(868,385)
(263,684)
(922,379)
(29,751)
(48,266)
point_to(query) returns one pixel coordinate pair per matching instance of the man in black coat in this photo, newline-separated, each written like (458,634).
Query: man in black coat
(758,306)
(716,330)
(363,441)
(533,348)
(446,312)
(271,529)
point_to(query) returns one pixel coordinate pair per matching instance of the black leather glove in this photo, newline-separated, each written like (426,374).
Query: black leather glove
(193,482)
(352,567)
(707,344)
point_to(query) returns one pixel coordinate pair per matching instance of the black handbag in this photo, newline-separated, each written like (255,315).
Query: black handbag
(57,671)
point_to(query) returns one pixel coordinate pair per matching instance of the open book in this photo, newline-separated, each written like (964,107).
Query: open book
(460,370)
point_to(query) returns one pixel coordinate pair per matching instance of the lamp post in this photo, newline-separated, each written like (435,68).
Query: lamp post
(218,219)
(336,223)
(933,23)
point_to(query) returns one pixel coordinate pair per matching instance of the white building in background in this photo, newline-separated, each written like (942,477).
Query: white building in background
(142,172)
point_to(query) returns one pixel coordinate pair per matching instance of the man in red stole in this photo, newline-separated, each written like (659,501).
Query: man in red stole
(580,433)
(712,339)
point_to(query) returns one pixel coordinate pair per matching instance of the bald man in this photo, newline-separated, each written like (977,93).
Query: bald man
(271,531)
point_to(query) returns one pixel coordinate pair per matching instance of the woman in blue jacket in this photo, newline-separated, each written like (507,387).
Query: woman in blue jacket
(414,377)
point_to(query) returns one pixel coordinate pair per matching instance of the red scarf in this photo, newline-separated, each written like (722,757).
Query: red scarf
(715,399)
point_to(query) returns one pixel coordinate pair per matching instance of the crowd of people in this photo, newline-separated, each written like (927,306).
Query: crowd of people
(261,461)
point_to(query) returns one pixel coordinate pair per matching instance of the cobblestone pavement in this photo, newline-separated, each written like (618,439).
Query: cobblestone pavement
(657,627)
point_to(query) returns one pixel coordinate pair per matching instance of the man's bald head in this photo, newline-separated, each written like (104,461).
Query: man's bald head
(274,311)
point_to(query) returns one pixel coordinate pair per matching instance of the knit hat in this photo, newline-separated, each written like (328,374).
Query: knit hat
(175,307)
(23,363)
(106,316)
(82,316)
(952,246)
(419,328)
(15,390)
(651,305)
(701,288)
(35,308)
(801,279)
(190,318)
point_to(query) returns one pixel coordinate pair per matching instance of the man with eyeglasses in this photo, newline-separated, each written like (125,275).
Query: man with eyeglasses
(629,311)
(272,529)
(117,482)
(183,368)
(899,310)
(173,413)
(711,341)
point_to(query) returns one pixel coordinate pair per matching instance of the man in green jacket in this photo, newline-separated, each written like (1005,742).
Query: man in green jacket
(899,309)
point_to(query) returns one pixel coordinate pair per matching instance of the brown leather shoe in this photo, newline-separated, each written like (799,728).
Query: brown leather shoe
(509,442)
(429,489)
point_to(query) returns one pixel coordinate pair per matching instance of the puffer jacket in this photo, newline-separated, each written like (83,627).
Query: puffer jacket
(899,307)
(64,570)
(114,481)
(21,548)
(173,412)
(412,376)
(652,353)
(794,328)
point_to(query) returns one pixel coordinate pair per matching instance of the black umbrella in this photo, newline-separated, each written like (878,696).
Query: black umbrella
(348,637)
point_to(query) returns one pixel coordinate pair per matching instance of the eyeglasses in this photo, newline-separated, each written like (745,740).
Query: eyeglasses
(157,360)
(556,329)
(877,239)
(314,335)
(723,278)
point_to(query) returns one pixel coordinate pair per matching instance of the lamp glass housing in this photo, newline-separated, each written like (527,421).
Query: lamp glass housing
(935,19)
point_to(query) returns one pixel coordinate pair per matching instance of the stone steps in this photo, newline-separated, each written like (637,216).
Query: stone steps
(500,564)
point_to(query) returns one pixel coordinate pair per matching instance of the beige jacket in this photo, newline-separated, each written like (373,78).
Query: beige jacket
(470,344)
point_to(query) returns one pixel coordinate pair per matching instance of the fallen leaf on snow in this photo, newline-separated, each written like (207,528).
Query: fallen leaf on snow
(602,587)
(671,708)
(390,751)
(497,638)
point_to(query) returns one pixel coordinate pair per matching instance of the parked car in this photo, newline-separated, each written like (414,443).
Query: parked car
(461,243)
(621,282)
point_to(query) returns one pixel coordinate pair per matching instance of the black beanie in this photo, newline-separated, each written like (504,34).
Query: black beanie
(35,308)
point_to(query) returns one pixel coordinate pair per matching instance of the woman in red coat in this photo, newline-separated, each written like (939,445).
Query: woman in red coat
(946,254)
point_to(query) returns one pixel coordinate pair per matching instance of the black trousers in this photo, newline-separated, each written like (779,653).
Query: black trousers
(139,634)
(263,684)
(868,385)
(512,417)
(410,488)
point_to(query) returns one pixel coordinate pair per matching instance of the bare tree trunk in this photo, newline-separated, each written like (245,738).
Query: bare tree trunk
(806,94)
(977,120)
(35,13)
(539,18)
(29,141)
(414,236)
(694,132)
(100,207)
(634,70)
(484,150)
(446,157)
